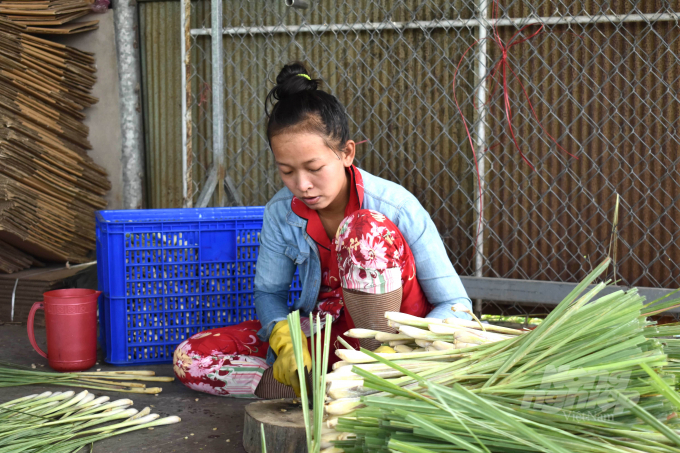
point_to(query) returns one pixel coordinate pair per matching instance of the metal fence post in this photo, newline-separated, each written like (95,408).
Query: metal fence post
(480,137)
(218,97)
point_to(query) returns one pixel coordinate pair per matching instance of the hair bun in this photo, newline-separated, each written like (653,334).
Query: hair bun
(291,81)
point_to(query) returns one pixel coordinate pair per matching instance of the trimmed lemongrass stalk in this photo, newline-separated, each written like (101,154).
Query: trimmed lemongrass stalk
(402,348)
(353,357)
(443,345)
(319,354)
(263,438)
(385,337)
(15,375)
(445,329)
(394,343)
(423,343)
(421,334)
(64,422)
(119,373)
(361,333)
(342,406)
(489,327)
(344,343)
(327,438)
(404,319)
(463,309)
(296,337)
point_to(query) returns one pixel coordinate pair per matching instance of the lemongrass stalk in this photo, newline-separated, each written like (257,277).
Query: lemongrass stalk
(104,433)
(423,343)
(394,343)
(446,329)
(122,372)
(336,385)
(443,345)
(263,438)
(402,348)
(70,402)
(421,334)
(384,337)
(294,324)
(143,413)
(410,320)
(464,309)
(344,343)
(115,384)
(94,404)
(462,345)
(489,327)
(130,377)
(341,363)
(337,394)
(342,406)
(108,407)
(326,439)
(361,333)
(26,398)
(360,357)
(319,412)
(121,413)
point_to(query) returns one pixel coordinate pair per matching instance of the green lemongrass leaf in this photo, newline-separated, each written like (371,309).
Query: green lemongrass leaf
(647,417)
(663,307)
(656,301)
(295,333)
(554,318)
(438,432)
(263,439)
(553,349)
(661,386)
(482,405)
(402,447)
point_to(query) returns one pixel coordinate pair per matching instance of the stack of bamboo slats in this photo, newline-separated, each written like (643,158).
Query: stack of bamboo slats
(49,186)
(49,16)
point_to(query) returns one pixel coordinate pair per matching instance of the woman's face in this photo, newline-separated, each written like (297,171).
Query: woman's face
(310,169)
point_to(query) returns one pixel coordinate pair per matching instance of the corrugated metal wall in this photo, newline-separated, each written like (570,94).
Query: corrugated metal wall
(162,96)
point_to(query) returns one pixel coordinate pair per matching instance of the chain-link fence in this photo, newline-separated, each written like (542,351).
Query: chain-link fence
(601,78)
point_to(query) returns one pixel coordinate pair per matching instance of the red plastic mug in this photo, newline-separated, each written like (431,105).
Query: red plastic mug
(71,324)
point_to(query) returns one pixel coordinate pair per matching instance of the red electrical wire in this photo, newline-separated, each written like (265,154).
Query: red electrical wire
(501,66)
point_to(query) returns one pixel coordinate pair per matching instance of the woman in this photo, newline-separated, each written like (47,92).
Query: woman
(362,245)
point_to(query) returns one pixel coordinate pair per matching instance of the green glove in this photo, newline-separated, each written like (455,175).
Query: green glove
(285,368)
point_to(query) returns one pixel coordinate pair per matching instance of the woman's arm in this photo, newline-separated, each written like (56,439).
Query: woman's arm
(434,270)
(273,278)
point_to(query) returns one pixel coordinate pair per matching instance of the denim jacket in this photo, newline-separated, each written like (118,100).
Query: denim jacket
(285,245)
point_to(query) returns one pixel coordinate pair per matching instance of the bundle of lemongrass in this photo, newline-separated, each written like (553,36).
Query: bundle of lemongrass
(431,334)
(115,381)
(422,345)
(66,422)
(592,377)
(318,435)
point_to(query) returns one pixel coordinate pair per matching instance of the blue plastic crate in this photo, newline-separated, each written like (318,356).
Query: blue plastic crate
(167,274)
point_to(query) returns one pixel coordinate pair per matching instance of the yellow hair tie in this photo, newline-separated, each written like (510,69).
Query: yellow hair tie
(305,76)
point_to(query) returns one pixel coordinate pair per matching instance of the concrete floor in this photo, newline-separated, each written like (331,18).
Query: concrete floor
(209,423)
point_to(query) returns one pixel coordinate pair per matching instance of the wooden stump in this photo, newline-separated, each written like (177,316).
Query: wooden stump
(284,426)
